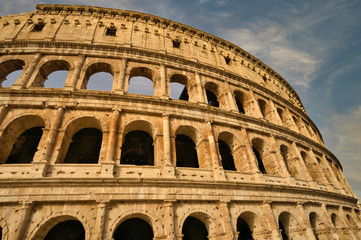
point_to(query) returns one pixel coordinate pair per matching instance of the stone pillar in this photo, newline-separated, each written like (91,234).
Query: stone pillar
(318,167)
(303,165)
(258,112)
(305,222)
(232,102)
(168,167)
(77,70)
(336,183)
(164,82)
(281,162)
(201,99)
(21,83)
(228,226)
(272,223)
(216,165)
(290,123)
(24,215)
(277,117)
(169,219)
(342,215)
(108,164)
(328,221)
(50,142)
(120,78)
(3,111)
(100,221)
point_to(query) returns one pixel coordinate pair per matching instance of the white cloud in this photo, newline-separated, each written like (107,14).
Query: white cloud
(271,44)
(343,134)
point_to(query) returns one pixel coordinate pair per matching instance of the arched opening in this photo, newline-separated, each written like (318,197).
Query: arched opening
(212,99)
(99,76)
(351,221)
(240,101)
(194,229)
(282,229)
(10,71)
(259,160)
(287,224)
(282,115)
(133,229)
(186,152)
(85,146)
(290,161)
(141,81)
(265,109)
(1,233)
(226,156)
(71,229)
(25,147)
(313,222)
(244,230)
(178,87)
(334,219)
(57,80)
(137,149)
(311,167)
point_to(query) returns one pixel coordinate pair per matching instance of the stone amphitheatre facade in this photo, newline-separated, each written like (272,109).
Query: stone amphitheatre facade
(235,157)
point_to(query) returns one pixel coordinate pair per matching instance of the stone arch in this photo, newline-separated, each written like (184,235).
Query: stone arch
(95,68)
(42,228)
(15,128)
(291,162)
(148,217)
(47,68)
(242,102)
(226,148)
(265,110)
(9,66)
(187,141)
(287,224)
(144,72)
(352,222)
(267,162)
(208,222)
(316,224)
(248,226)
(182,80)
(281,113)
(311,166)
(212,94)
(336,221)
(142,125)
(72,127)
(4,229)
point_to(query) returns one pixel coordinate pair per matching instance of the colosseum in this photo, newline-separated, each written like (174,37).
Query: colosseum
(233,156)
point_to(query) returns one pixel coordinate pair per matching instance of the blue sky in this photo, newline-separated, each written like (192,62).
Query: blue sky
(314,44)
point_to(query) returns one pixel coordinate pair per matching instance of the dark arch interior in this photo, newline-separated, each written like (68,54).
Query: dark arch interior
(283,230)
(69,230)
(259,161)
(262,106)
(137,149)
(133,229)
(245,232)
(226,156)
(212,99)
(85,146)
(1,233)
(186,152)
(194,229)
(240,106)
(25,146)
(333,219)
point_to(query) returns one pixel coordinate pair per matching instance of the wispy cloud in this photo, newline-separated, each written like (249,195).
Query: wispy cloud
(343,134)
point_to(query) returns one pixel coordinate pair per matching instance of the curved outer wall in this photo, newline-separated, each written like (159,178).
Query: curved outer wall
(302,181)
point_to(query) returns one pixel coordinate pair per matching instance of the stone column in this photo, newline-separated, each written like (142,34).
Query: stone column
(216,165)
(21,83)
(305,222)
(100,221)
(120,78)
(303,165)
(201,99)
(328,221)
(24,215)
(169,219)
(168,167)
(164,82)
(275,113)
(232,102)
(50,143)
(228,226)
(77,70)
(281,162)
(108,164)
(258,112)
(272,223)
(3,112)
